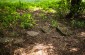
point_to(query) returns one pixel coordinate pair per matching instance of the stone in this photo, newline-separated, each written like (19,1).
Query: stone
(11,40)
(32,33)
(63,30)
(46,29)
(18,40)
(6,40)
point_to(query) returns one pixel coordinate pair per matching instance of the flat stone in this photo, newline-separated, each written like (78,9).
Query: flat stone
(11,40)
(18,40)
(64,30)
(45,29)
(32,33)
(6,40)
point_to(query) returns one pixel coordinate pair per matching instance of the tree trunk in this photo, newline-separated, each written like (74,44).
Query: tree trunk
(74,9)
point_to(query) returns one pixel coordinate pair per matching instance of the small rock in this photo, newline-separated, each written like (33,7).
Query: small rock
(45,29)
(18,40)
(32,33)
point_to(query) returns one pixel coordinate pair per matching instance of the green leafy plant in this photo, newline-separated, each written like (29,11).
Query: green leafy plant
(27,21)
(54,23)
(62,9)
(78,23)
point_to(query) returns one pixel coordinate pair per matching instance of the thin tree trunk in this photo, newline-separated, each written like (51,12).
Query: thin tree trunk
(74,9)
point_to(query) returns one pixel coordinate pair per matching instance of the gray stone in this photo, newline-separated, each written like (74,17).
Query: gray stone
(45,29)
(11,40)
(6,40)
(18,40)
(32,33)
(64,30)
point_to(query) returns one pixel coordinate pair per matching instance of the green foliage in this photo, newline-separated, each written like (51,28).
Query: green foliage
(54,23)
(9,17)
(43,16)
(27,21)
(78,23)
(82,7)
(62,9)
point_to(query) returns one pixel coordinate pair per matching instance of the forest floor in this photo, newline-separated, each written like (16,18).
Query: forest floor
(44,39)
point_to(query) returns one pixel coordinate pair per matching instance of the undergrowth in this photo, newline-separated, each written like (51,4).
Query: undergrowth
(9,17)
(78,23)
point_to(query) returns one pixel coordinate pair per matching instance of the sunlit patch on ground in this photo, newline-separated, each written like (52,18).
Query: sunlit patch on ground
(38,49)
(51,11)
(82,34)
(34,8)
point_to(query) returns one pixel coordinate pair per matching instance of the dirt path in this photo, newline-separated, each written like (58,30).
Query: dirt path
(45,40)
(49,41)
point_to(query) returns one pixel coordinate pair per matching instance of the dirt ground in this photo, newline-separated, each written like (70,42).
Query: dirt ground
(47,42)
